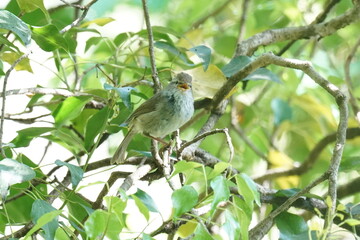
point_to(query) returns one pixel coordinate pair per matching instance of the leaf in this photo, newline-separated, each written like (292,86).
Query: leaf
(235,65)
(124,93)
(147,200)
(11,57)
(41,207)
(352,222)
(76,172)
(201,233)
(183,200)
(244,215)
(117,205)
(206,84)
(350,164)
(142,208)
(218,169)
(98,21)
(247,188)
(147,237)
(287,192)
(231,226)
(49,38)
(221,191)
(183,166)
(69,109)
(12,23)
(282,111)
(263,74)
(292,227)
(45,219)
(12,172)
(94,126)
(25,136)
(92,41)
(204,53)
(6,42)
(101,223)
(31,5)
(173,50)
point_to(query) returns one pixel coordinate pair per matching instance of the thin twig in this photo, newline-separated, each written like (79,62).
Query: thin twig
(78,20)
(3,95)
(200,137)
(50,91)
(319,19)
(242,27)
(154,75)
(211,14)
(240,132)
(311,159)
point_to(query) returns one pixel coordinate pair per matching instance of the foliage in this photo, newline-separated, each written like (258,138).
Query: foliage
(267,128)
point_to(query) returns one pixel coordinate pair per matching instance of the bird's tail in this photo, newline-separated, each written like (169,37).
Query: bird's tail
(119,156)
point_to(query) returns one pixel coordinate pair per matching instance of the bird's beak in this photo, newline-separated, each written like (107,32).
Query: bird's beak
(184,86)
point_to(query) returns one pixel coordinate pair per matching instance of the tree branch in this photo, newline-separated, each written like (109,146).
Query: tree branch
(249,46)
(155,77)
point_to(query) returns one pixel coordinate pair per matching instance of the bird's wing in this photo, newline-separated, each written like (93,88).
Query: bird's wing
(148,106)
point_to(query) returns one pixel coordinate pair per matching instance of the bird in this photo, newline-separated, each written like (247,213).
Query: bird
(160,115)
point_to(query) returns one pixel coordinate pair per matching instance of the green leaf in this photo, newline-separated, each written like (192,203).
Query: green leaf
(42,222)
(292,227)
(350,164)
(287,192)
(6,42)
(221,191)
(263,74)
(25,136)
(247,188)
(12,172)
(235,65)
(183,200)
(119,39)
(92,41)
(94,126)
(69,109)
(218,169)
(147,200)
(201,233)
(49,38)
(101,224)
(231,226)
(244,214)
(183,166)
(142,208)
(352,222)
(98,21)
(124,93)
(11,57)
(76,172)
(12,23)
(282,111)
(31,5)
(204,53)
(147,237)
(173,50)
(117,205)
(41,207)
